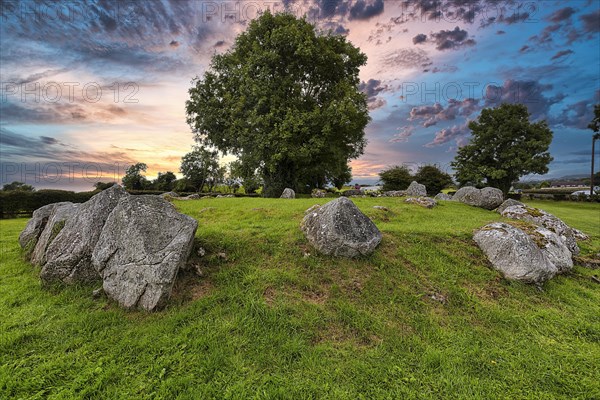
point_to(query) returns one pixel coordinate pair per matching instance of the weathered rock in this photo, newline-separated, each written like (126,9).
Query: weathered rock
(426,202)
(553,248)
(193,196)
(56,222)
(443,196)
(30,234)
(68,257)
(312,208)
(514,253)
(508,203)
(352,192)
(415,189)
(339,228)
(288,194)
(579,235)
(319,193)
(547,220)
(394,193)
(142,246)
(488,198)
(169,194)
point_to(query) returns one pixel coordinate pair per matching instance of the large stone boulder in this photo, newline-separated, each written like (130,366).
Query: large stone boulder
(547,220)
(68,257)
(34,228)
(515,254)
(352,192)
(319,193)
(168,195)
(508,203)
(488,198)
(339,228)
(426,202)
(415,189)
(56,222)
(142,246)
(287,194)
(443,197)
(394,193)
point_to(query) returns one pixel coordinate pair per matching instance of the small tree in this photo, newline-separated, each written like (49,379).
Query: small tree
(165,181)
(396,178)
(248,176)
(133,179)
(103,185)
(18,187)
(504,146)
(200,167)
(433,178)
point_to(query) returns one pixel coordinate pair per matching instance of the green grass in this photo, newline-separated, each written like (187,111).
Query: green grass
(423,317)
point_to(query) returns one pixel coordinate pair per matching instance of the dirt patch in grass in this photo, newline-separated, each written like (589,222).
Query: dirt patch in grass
(189,287)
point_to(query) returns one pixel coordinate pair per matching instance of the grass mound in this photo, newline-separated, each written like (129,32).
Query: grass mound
(422,317)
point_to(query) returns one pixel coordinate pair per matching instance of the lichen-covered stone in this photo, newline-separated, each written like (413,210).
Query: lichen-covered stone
(488,198)
(56,222)
(339,228)
(415,189)
(68,257)
(288,194)
(426,202)
(142,246)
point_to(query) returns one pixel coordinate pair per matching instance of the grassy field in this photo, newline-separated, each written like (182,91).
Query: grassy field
(424,317)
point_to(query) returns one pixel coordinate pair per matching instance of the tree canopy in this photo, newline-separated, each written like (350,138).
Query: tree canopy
(201,168)
(395,178)
(133,179)
(504,146)
(285,100)
(433,178)
(18,186)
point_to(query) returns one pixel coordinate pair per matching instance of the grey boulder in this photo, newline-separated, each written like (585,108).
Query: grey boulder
(426,202)
(30,234)
(142,246)
(415,189)
(546,220)
(287,194)
(443,197)
(488,198)
(508,203)
(56,222)
(339,228)
(68,257)
(514,253)
(394,193)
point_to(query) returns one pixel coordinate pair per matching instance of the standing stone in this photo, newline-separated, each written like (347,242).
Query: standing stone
(339,228)
(34,228)
(416,190)
(142,246)
(547,220)
(514,253)
(288,194)
(60,214)
(319,193)
(488,198)
(68,258)
(443,196)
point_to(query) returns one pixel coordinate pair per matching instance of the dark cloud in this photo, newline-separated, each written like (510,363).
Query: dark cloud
(420,38)
(577,115)
(591,22)
(219,43)
(431,115)
(446,135)
(49,140)
(561,54)
(562,14)
(454,39)
(500,33)
(341,30)
(372,88)
(545,36)
(365,10)
(174,43)
(528,92)
(525,49)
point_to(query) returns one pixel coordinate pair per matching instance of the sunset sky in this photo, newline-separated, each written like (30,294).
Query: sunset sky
(89,88)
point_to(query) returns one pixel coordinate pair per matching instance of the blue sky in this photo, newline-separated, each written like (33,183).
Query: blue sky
(91,87)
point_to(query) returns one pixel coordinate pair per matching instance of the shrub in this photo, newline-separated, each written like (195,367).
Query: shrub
(395,178)
(433,179)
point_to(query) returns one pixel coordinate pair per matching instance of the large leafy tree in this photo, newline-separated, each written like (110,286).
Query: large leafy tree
(18,187)
(504,146)
(285,100)
(165,181)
